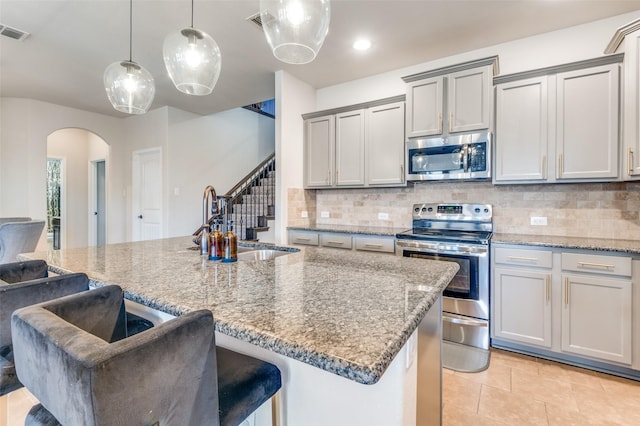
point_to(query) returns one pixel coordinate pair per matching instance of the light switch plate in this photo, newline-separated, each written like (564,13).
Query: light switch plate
(383,216)
(539,221)
(304,214)
(324,214)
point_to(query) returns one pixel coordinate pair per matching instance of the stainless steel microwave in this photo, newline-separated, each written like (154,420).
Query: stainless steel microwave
(465,156)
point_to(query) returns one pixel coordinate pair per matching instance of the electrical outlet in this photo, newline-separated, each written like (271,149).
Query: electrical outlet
(304,214)
(324,214)
(539,221)
(383,216)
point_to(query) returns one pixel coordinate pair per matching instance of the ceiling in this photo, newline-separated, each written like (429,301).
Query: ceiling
(72,42)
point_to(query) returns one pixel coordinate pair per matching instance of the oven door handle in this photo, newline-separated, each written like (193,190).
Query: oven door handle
(437,250)
(457,320)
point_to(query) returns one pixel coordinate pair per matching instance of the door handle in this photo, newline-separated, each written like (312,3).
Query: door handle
(140,216)
(95,213)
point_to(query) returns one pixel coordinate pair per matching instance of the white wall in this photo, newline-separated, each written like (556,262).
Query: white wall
(292,98)
(24,127)
(216,150)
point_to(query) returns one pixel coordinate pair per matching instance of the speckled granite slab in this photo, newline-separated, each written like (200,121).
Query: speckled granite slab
(348,313)
(350,229)
(604,244)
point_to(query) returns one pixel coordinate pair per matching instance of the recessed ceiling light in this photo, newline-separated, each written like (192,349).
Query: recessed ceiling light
(362,44)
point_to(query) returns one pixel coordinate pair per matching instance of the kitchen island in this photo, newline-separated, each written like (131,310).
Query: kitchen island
(343,327)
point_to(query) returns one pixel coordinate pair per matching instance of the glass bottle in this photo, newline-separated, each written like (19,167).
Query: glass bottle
(230,244)
(216,242)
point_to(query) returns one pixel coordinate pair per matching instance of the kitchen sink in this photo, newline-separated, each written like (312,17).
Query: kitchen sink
(263,254)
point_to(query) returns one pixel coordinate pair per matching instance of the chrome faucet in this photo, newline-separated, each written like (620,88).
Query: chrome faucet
(208,206)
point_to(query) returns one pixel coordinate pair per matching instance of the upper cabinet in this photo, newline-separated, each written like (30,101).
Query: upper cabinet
(451,99)
(559,124)
(358,146)
(626,40)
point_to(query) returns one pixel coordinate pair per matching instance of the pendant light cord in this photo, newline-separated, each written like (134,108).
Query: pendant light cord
(191,13)
(130,30)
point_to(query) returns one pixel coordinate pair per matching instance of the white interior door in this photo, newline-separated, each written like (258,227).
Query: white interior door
(147,195)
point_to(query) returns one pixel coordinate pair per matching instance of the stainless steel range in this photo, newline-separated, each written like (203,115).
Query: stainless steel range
(456,233)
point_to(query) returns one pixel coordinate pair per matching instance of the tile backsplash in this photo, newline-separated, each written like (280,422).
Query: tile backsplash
(607,210)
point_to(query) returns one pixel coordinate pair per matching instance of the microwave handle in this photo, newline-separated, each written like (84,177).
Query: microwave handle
(465,158)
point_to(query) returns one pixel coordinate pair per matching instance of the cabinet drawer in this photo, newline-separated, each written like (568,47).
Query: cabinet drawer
(524,257)
(335,240)
(385,245)
(301,237)
(597,264)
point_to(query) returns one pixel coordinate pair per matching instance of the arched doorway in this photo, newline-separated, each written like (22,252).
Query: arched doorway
(79,217)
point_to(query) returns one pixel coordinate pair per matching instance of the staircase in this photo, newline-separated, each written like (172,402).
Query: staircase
(251,202)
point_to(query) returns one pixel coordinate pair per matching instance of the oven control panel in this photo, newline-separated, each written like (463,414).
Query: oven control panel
(458,212)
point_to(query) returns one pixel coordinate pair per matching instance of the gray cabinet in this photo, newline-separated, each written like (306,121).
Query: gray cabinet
(385,145)
(319,151)
(522,296)
(356,147)
(569,304)
(343,240)
(451,99)
(560,126)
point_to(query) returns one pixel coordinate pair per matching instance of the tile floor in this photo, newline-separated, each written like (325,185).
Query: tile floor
(515,390)
(522,390)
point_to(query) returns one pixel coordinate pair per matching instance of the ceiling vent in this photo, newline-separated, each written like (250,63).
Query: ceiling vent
(257,19)
(13,33)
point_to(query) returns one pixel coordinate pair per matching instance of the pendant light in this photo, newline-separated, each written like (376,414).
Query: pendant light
(192,59)
(295,29)
(129,86)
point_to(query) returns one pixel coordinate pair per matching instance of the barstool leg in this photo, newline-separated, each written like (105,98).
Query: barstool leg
(4,412)
(275,409)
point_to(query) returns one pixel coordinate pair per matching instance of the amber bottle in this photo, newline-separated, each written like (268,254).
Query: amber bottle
(216,242)
(230,244)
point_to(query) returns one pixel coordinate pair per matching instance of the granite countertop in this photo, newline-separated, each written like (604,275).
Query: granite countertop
(352,229)
(603,244)
(345,312)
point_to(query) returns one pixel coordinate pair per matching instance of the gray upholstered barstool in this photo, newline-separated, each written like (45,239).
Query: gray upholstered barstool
(18,236)
(167,375)
(23,284)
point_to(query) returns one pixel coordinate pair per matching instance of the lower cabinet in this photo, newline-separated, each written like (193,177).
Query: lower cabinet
(571,303)
(522,306)
(343,240)
(596,317)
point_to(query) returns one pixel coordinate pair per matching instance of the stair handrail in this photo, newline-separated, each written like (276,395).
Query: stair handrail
(232,194)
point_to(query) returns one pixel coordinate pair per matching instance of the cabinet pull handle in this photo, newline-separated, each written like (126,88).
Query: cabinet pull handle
(439,122)
(596,265)
(630,161)
(560,165)
(328,177)
(450,121)
(529,259)
(302,239)
(373,245)
(548,287)
(566,291)
(544,167)
(339,243)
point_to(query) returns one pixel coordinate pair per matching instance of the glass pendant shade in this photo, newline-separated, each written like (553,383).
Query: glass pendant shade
(130,88)
(295,29)
(193,61)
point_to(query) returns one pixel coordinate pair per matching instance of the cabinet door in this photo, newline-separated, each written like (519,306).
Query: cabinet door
(319,145)
(385,144)
(522,306)
(587,123)
(350,140)
(424,107)
(521,130)
(631,109)
(469,100)
(596,317)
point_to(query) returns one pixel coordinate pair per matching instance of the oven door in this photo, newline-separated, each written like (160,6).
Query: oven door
(468,292)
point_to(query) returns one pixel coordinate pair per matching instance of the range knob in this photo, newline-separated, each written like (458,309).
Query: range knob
(430,209)
(486,210)
(477,210)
